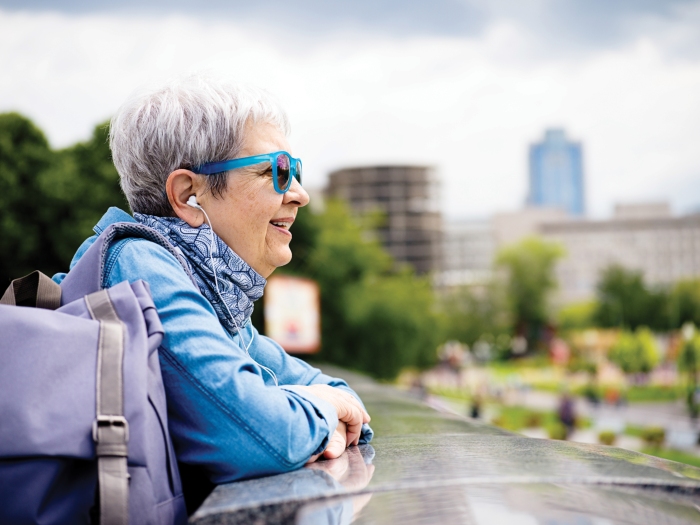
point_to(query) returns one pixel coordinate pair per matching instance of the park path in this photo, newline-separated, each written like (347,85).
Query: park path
(681,431)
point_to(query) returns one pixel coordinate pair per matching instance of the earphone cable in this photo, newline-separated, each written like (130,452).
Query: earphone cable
(218,292)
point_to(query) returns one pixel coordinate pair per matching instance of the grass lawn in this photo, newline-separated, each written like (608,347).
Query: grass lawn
(649,393)
(516,418)
(674,455)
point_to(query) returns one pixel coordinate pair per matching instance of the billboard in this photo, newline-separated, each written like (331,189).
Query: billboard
(293,313)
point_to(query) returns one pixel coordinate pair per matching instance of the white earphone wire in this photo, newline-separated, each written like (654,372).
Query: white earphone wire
(218,292)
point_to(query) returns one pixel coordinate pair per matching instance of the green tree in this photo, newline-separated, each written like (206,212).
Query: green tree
(635,352)
(49,200)
(529,267)
(24,220)
(374,318)
(684,303)
(472,312)
(689,362)
(625,301)
(390,324)
(84,183)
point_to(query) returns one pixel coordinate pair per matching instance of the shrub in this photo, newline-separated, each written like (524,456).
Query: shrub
(635,352)
(653,436)
(533,420)
(499,421)
(556,431)
(607,437)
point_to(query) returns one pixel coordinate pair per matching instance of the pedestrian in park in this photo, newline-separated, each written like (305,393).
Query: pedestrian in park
(207,165)
(567,413)
(475,409)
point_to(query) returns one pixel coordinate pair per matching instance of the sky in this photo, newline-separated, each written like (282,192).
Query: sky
(461,85)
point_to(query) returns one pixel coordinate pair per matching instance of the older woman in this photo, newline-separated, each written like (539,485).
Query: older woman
(207,164)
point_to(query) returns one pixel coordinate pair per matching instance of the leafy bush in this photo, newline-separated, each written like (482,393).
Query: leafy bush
(654,437)
(607,437)
(556,431)
(518,417)
(533,420)
(635,352)
(577,316)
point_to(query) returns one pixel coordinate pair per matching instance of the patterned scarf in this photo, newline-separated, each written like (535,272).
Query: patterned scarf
(239,284)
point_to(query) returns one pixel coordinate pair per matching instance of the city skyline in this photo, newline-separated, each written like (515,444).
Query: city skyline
(363,87)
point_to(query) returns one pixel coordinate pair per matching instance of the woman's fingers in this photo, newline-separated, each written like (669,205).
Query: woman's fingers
(347,406)
(337,444)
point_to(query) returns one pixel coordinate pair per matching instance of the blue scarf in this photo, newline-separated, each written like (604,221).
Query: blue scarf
(239,284)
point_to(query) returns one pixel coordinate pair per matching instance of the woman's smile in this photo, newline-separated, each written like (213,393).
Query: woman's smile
(282,225)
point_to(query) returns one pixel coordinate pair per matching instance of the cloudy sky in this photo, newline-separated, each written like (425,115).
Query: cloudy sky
(463,85)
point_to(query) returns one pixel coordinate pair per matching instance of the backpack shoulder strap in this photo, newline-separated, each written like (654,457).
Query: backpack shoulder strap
(36,290)
(87,276)
(110,430)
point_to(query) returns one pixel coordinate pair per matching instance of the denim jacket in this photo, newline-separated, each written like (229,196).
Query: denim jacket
(225,414)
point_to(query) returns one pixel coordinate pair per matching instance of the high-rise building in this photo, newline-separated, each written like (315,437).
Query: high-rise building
(408,196)
(556,173)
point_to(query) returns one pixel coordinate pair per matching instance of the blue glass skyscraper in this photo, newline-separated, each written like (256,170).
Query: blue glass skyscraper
(556,173)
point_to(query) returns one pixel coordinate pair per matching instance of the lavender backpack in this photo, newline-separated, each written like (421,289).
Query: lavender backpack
(83,422)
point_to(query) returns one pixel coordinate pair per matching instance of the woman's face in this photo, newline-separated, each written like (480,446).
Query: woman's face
(251,217)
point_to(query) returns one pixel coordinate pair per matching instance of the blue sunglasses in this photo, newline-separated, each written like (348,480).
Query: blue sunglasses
(284,168)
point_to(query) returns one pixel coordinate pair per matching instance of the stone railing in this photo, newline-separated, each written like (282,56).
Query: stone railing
(425,466)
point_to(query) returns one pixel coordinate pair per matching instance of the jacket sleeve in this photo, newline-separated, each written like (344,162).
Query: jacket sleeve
(292,371)
(221,414)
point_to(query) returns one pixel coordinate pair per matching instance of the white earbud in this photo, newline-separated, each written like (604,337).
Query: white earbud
(192,202)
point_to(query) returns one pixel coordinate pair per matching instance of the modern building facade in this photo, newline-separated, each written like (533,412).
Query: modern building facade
(512,227)
(556,173)
(646,238)
(468,251)
(408,196)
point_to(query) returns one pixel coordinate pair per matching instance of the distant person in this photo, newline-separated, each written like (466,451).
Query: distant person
(207,165)
(475,408)
(567,414)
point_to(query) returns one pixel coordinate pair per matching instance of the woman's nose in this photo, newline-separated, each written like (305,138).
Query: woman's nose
(296,194)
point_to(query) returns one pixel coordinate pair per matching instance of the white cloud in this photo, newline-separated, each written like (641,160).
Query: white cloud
(468,106)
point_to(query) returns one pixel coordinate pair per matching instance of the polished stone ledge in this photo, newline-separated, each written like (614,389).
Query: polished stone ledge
(425,466)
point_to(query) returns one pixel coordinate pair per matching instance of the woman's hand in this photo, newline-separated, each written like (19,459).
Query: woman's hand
(351,415)
(336,445)
(338,442)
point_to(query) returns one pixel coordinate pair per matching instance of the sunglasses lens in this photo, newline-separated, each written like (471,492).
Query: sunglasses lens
(298,171)
(283,166)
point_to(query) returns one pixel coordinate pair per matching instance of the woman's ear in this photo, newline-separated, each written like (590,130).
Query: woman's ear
(180,186)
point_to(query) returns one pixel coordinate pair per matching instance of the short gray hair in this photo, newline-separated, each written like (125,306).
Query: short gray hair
(188,121)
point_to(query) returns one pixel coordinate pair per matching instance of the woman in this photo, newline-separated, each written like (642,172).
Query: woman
(206,164)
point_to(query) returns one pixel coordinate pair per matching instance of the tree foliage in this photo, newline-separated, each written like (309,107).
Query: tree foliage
(49,200)
(684,303)
(474,313)
(689,358)
(624,300)
(577,315)
(530,279)
(375,318)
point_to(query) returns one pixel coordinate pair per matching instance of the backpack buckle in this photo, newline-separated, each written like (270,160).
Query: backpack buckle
(110,421)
